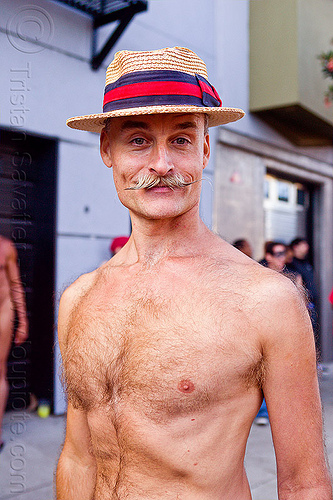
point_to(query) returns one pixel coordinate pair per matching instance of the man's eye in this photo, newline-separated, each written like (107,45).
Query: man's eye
(139,141)
(181,140)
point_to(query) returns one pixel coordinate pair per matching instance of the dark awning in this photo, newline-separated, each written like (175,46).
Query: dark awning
(104,12)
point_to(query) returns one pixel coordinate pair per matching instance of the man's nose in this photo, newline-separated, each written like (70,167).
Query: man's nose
(161,163)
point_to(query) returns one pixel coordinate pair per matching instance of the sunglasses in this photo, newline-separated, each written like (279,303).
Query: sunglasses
(279,254)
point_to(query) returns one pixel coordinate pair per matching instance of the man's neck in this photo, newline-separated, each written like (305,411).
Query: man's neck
(153,240)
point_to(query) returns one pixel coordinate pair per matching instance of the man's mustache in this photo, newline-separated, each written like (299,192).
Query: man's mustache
(148,181)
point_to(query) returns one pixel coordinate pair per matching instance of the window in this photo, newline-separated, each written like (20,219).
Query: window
(283,191)
(300,197)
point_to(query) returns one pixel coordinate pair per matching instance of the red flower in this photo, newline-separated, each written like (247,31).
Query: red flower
(329,65)
(327,102)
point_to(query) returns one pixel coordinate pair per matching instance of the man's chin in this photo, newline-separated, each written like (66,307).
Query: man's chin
(159,205)
(162,215)
(158,212)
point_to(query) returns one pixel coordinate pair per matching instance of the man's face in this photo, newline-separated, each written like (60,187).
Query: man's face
(301,250)
(277,260)
(161,146)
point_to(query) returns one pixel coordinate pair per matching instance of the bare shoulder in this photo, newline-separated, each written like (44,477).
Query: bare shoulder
(236,265)
(70,298)
(79,287)
(276,293)
(5,241)
(280,311)
(7,247)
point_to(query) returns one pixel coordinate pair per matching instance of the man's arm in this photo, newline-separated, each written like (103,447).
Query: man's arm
(76,470)
(17,294)
(292,394)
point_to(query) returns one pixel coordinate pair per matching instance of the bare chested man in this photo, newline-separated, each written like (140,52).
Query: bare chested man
(169,346)
(11,298)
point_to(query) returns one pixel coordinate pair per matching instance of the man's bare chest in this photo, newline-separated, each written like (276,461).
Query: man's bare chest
(163,354)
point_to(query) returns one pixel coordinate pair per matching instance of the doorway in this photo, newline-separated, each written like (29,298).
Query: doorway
(27,217)
(287,209)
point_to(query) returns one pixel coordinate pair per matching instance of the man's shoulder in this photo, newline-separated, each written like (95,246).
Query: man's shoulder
(80,286)
(72,294)
(275,297)
(261,284)
(7,246)
(225,255)
(274,282)
(4,240)
(70,299)
(239,272)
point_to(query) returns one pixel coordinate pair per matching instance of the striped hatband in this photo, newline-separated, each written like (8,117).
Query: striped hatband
(171,80)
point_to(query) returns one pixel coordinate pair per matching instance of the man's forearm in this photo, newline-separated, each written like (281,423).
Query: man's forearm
(320,492)
(18,298)
(74,481)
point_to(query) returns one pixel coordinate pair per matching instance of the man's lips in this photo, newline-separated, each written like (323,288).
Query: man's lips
(160,188)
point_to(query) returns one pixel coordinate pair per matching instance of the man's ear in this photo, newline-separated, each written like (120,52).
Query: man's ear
(105,149)
(206,151)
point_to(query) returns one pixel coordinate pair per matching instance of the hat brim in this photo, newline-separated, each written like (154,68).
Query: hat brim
(95,123)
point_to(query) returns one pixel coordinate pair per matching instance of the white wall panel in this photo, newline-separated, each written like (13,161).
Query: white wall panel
(172,22)
(44,89)
(76,256)
(87,200)
(52,23)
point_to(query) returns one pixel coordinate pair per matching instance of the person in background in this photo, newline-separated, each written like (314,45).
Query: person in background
(275,256)
(118,243)
(278,256)
(289,255)
(302,266)
(244,246)
(291,273)
(300,263)
(12,299)
(263,261)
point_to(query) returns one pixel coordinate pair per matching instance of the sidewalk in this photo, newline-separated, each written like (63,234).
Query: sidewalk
(33,444)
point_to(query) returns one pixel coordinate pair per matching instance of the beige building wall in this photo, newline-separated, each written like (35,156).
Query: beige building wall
(286,38)
(239,196)
(315,33)
(273,53)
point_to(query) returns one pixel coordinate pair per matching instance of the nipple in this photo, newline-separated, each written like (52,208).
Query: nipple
(186,386)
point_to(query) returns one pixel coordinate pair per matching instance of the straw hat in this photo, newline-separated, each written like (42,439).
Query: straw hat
(170,80)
